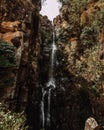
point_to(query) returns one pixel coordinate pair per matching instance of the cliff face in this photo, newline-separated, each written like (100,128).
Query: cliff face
(26,35)
(19,27)
(45,49)
(80,58)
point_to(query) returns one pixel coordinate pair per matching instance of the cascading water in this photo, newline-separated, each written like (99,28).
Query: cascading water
(45,114)
(51,73)
(42,107)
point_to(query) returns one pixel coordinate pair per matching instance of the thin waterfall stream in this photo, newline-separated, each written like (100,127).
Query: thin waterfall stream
(51,73)
(45,114)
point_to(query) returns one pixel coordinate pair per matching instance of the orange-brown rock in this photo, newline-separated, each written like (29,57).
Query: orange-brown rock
(27,3)
(11,35)
(84,18)
(57,22)
(89,13)
(64,24)
(92,3)
(92,10)
(101,36)
(74,42)
(9,26)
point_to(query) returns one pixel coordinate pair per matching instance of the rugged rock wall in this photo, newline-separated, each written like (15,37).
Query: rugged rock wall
(80,63)
(19,27)
(29,35)
(45,49)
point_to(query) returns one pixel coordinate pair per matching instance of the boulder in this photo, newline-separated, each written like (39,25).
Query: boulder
(91,124)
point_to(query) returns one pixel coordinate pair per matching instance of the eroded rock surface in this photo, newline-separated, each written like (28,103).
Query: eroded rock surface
(80,62)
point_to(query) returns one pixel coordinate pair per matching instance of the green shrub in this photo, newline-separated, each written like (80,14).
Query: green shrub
(7,55)
(7,64)
(11,121)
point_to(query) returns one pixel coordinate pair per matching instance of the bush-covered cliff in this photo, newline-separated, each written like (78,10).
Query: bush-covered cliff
(19,53)
(80,41)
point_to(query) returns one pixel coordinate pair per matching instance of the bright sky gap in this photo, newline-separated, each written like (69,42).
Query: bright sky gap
(50,8)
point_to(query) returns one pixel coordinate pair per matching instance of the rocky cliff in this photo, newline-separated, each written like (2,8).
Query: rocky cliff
(19,28)
(45,49)
(25,38)
(80,62)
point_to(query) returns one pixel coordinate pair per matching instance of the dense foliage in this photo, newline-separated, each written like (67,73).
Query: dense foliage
(7,55)
(7,64)
(11,121)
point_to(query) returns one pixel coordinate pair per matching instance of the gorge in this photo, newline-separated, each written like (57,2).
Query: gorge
(46,117)
(53,71)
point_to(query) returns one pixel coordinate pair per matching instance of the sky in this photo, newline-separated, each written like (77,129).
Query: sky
(50,8)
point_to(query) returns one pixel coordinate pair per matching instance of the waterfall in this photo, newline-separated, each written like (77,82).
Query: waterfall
(46,92)
(48,109)
(51,82)
(42,107)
